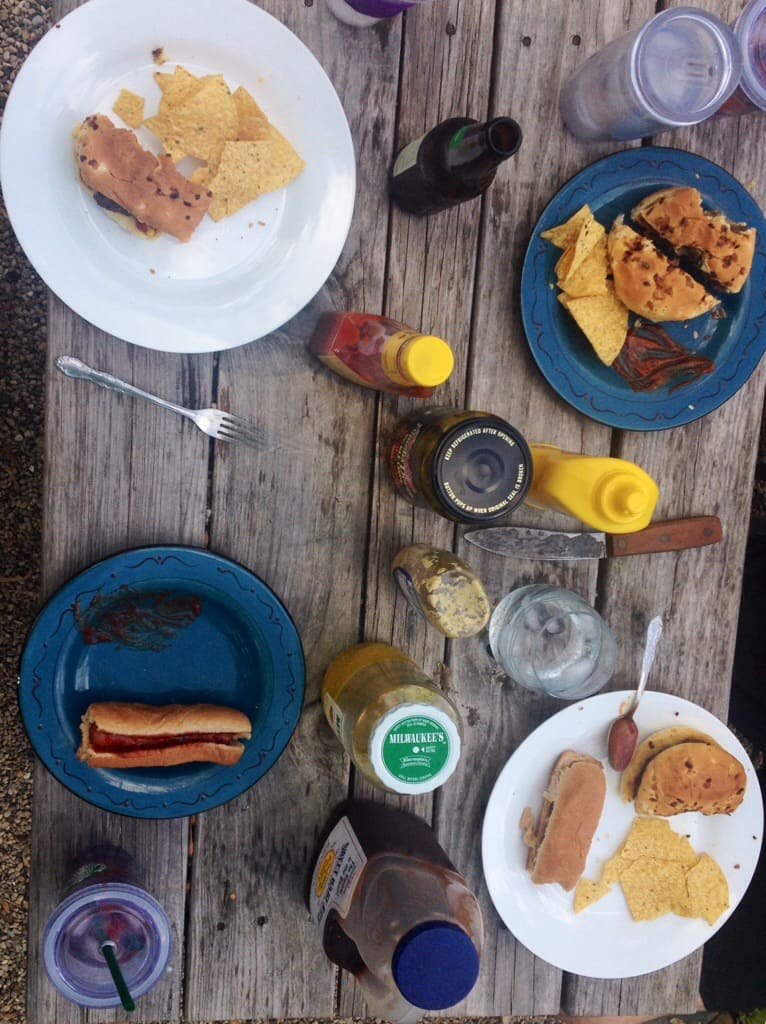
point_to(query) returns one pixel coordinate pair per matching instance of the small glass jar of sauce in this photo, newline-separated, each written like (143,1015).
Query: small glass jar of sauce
(470,467)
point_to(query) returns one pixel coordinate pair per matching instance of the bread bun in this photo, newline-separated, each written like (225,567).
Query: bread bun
(572,804)
(122,734)
(691,776)
(649,283)
(145,188)
(649,748)
(721,249)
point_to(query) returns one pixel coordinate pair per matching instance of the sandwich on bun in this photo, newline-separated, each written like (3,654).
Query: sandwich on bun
(651,284)
(143,193)
(572,804)
(721,250)
(118,734)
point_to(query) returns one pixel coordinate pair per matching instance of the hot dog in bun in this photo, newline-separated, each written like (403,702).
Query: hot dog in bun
(123,735)
(572,804)
(143,193)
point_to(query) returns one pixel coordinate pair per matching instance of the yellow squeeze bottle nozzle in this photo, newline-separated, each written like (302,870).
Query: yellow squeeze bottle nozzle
(608,494)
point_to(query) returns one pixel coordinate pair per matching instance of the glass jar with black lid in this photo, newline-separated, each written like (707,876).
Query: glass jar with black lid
(471,467)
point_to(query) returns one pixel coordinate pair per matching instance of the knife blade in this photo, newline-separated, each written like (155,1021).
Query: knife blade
(556,545)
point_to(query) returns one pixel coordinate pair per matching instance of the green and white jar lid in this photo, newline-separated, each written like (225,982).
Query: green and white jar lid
(414,748)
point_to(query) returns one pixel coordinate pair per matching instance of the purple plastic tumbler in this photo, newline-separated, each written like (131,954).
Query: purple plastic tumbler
(104,907)
(750,30)
(363,13)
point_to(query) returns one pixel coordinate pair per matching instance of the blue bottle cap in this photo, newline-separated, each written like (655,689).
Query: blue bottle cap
(435,965)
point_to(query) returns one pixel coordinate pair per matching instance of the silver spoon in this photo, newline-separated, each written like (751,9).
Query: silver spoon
(623,733)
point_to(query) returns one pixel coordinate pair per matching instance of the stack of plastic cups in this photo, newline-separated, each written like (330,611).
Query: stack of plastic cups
(365,13)
(750,30)
(678,69)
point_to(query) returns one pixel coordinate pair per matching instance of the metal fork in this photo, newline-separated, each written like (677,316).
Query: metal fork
(218,424)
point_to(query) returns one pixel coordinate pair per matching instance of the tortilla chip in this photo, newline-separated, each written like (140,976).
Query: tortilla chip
(199,123)
(252,123)
(590,276)
(603,320)
(565,234)
(247,170)
(652,745)
(654,887)
(176,86)
(130,107)
(653,837)
(588,892)
(708,890)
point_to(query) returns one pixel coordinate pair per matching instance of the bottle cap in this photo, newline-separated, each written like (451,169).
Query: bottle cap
(415,748)
(481,469)
(435,965)
(624,501)
(427,360)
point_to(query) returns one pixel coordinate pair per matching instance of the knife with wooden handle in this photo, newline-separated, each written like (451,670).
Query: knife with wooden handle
(554,545)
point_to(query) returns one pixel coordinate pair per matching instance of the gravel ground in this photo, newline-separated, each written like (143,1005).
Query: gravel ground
(22,356)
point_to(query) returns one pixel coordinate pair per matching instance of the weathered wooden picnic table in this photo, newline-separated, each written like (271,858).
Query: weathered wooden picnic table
(322,525)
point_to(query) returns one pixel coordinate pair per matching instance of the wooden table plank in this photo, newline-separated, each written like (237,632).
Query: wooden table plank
(298,516)
(113,480)
(533,55)
(705,467)
(432,262)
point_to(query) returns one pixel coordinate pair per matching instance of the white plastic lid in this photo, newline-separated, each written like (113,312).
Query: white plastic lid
(415,748)
(686,64)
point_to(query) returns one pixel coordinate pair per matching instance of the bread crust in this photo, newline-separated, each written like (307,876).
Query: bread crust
(126,718)
(648,283)
(572,804)
(111,161)
(691,776)
(722,249)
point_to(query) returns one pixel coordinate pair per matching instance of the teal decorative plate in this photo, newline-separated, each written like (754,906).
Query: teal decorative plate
(162,625)
(735,342)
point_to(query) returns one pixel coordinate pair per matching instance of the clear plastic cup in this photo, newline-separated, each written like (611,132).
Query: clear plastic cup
(549,639)
(103,906)
(750,30)
(677,69)
(365,13)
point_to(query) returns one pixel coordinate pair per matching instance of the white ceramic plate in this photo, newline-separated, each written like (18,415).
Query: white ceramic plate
(235,281)
(603,941)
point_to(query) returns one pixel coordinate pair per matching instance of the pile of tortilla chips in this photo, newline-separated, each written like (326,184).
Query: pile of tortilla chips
(244,154)
(582,274)
(660,873)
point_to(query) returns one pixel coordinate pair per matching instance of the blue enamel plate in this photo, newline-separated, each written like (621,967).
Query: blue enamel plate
(162,625)
(735,341)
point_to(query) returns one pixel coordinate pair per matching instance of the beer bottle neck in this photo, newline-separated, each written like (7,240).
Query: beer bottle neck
(477,149)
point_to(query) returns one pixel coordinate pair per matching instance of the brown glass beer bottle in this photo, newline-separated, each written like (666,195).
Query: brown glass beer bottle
(455,161)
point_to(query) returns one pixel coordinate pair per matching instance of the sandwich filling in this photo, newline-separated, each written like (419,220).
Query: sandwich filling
(113,743)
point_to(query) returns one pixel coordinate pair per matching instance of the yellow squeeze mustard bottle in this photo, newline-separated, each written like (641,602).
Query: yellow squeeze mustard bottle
(608,494)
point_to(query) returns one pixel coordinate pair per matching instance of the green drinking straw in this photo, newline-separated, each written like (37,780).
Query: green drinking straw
(107,951)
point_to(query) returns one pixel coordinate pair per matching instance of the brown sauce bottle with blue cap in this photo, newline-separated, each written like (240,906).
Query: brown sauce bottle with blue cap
(394,912)
(470,467)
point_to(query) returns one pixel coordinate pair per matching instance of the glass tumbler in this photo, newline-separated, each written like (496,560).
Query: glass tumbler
(750,30)
(677,69)
(549,639)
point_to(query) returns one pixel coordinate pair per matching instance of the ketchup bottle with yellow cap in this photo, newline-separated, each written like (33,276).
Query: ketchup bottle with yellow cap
(379,353)
(607,494)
